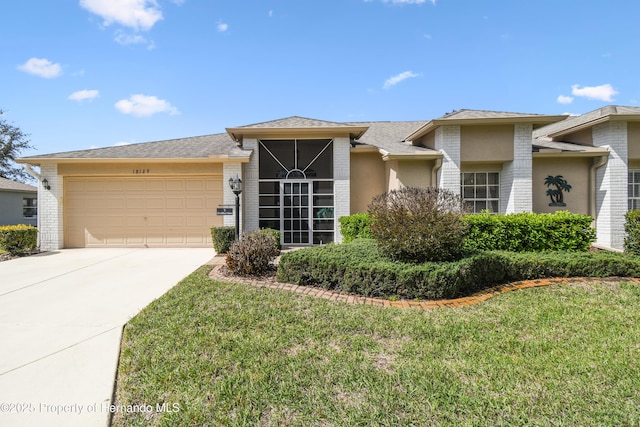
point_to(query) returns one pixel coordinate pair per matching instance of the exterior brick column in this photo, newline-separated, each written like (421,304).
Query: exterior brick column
(516,186)
(448,143)
(250,193)
(341,182)
(51,232)
(611,184)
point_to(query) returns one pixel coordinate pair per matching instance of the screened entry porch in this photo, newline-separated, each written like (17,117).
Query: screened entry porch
(296,190)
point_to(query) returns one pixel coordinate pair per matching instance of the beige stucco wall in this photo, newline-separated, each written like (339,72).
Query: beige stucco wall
(633,138)
(142,168)
(575,171)
(584,137)
(489,143)
(367,179)
(408,173)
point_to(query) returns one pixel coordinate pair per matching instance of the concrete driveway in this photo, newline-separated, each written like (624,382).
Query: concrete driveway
(61,320)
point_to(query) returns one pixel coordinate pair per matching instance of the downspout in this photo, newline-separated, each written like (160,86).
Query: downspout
(592,181)
(27,167)
(434,173)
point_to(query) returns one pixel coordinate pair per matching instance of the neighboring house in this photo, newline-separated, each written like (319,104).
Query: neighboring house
(300,175)
(18,203)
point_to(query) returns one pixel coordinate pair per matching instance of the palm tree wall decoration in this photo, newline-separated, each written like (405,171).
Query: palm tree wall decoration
(557,194)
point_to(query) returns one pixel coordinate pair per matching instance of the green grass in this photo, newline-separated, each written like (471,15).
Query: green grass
(234,355)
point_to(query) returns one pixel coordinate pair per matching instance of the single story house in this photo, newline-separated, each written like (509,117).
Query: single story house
(300,175)
(18,203)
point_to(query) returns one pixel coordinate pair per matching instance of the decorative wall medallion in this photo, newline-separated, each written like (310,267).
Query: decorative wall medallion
(557,194)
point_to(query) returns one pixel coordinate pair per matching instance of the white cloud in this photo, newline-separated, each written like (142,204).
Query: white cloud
(601,93)
(41,67)
(565,99)
(126,39)
(136,14)
(84,95)
(144,106)
(222,27)
(392,81)
(121,143)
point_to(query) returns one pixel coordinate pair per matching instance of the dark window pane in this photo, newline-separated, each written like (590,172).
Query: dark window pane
(494,178)
(494,192)
(323,187)
(275,224)
(322,238)
(269,200)
(323,200)
(481,178)
(468,193)
(269,188)
(269,213)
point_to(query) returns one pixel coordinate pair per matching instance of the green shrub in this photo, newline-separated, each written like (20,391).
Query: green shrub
(253,254)
(18,239)
(222,238)
(418,224)
(360,268)
(530,232)
(632,229)
(354,227)
(274,234)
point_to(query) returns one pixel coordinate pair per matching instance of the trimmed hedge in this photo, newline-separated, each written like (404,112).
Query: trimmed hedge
(223,238)
(632,229)
(354,227)
(18,239)
(359,268)
(522,232)
(530,232)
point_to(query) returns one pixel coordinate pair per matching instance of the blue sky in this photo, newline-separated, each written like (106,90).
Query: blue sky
(79,74)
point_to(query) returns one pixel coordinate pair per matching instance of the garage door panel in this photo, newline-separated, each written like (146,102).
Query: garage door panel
(141,211)
(175,185)
(154,203)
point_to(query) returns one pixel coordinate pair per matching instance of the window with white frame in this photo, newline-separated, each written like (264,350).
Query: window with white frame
(29,207)
(481,191)
(633,192)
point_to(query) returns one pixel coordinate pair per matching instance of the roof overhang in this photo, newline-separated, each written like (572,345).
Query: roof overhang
(386,156)
(37,161)
(564,154)
(539,120)
(238,134)
(596,121)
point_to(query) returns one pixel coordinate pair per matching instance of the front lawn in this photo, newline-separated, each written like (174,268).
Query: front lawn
(234,355)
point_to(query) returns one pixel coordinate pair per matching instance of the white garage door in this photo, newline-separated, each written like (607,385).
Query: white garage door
(141,211)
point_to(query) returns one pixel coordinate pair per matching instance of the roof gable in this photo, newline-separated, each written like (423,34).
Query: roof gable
(296,125)
(592,118)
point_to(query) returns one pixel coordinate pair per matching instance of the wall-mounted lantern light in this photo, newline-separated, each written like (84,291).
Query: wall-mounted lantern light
(45,184)
(236,187)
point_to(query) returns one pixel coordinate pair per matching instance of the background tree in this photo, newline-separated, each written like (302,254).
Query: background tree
(12,142)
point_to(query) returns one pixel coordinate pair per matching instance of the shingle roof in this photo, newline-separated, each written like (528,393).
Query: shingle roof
(483,114)
(389,136)
(577,121)
(184,148)
(295,122)
(9,185)
(542,144)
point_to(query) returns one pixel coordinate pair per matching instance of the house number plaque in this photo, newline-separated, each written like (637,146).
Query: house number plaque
(140,171)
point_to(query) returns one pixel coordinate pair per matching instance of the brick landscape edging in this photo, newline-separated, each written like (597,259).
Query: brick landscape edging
(420,304)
